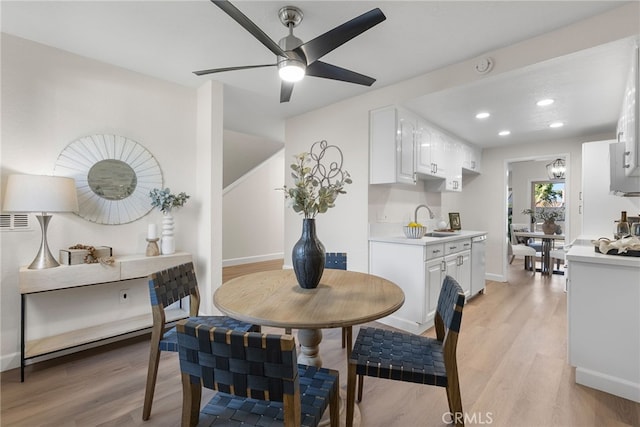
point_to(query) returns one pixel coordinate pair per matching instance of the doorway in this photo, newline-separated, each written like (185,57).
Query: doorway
(521,177)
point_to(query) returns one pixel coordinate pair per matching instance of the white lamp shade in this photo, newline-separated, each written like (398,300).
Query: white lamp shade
(40,193)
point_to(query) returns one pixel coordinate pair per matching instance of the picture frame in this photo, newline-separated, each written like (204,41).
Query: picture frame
(454,221)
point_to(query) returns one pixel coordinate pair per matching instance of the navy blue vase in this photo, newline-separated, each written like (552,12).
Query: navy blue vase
(308,256)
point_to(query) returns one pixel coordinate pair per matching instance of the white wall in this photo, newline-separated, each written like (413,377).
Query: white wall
(50,98)
(253,214)
(482,201)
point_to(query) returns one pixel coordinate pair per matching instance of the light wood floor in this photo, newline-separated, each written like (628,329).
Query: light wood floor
(511,358)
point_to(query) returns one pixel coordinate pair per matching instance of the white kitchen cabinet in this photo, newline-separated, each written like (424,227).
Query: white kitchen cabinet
(447,155)
(472,158)
(420,270)
(434,274)
(458,263)
(599,208)
(603,321)
(403,265)
(430,151)
(391,145)
(629,123)
(404,148)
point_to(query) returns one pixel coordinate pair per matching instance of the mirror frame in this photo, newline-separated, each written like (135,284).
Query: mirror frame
(77,159)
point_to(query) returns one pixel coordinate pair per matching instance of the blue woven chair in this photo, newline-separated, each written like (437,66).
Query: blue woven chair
(413,358)
(257,379)
(165,288)
(338,261)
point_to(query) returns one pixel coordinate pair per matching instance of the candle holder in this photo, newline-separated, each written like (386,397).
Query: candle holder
(152,247)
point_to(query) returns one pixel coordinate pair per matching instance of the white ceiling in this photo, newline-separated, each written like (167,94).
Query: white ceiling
(170,39)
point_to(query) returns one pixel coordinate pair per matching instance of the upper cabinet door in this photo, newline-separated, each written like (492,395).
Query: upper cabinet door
(391,149)
(405,155)
(628,125)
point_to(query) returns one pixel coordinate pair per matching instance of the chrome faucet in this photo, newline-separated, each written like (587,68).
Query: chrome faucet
(415,214)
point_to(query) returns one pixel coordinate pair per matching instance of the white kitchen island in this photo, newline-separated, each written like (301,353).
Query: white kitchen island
(603,310)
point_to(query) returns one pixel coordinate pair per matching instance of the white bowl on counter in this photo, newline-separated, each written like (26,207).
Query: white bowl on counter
(414,232)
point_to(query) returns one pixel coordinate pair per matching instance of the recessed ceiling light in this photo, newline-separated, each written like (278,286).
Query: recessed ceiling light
(556,125)
(545,102)
(504,132)
(482,115)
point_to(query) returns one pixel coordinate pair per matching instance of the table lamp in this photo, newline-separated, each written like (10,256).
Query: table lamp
(41,193)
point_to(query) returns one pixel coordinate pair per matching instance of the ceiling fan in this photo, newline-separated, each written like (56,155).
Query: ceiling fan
(296,59)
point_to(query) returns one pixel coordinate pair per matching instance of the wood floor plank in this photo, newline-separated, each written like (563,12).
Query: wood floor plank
(511,358)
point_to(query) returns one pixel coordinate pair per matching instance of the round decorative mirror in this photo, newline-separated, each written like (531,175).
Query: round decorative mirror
(114,176)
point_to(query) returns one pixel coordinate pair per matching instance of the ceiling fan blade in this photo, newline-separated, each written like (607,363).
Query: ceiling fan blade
(248,25)
(325,43)
(285,91)
(328,71)
(220,70)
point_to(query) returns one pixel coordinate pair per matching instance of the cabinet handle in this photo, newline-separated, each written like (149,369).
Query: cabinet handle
(443,266)
(580,195)
(453,248)
(620,136)
(625,165)
(580,210)
(435,251)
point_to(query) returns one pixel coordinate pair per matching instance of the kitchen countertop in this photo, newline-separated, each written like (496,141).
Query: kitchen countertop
(400,238)
(583,250)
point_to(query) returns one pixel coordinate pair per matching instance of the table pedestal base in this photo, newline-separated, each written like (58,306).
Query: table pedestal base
(309,340)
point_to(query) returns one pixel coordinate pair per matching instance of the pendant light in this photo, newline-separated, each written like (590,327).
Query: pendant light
(556,169)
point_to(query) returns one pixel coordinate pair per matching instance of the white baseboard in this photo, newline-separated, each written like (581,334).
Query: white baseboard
(405,325)
(495,277)
(9,361)
(251,259)
(607,383)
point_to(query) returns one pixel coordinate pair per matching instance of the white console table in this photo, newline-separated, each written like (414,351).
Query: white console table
(74,276)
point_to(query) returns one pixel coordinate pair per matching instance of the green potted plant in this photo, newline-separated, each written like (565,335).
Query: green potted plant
(317,184)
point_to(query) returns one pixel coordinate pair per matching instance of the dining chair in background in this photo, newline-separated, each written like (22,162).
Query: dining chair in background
(519,247)
(165,288)
(256,376)
(338,261)
(412,358)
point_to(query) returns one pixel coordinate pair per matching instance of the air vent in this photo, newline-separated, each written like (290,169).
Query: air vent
(14,222)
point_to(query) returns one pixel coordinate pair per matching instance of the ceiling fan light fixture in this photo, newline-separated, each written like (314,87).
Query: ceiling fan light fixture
(291,70)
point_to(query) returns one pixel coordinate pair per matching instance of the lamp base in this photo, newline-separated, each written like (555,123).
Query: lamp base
(43,259)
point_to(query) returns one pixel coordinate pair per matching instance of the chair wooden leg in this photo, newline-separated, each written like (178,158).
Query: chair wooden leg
(351,391)
(344,338)
(152,374)
(360,385)
(334,405)
(454,399)
(512,258)
(191,395)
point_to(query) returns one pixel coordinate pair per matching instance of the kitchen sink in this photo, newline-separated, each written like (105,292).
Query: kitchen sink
(438,234)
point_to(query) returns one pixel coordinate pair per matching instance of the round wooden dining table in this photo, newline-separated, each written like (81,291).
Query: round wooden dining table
(342,299)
